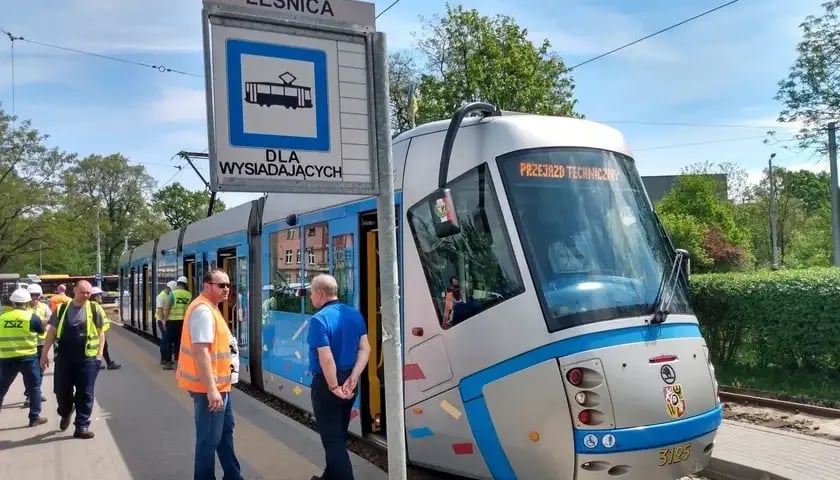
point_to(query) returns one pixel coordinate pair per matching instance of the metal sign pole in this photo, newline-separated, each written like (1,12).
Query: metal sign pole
(386,214)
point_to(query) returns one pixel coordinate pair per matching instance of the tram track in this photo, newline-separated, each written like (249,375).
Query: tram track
(762,399)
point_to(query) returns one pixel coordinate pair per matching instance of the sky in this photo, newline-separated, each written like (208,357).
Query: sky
(715,76)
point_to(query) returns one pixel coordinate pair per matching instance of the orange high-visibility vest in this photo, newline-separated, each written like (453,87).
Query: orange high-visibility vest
(220,354)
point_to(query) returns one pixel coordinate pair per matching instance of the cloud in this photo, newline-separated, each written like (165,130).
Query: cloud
(180,105)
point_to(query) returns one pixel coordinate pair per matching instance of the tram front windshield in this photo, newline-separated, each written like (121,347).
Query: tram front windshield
(595,250)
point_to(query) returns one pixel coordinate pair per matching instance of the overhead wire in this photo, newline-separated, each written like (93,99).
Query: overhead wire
(671,27)
(159,68)
(386,9)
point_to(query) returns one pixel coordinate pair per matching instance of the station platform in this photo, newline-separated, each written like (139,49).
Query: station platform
(145,431)
(750,452)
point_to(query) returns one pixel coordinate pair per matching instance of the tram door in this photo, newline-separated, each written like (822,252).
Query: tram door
(189,272)
(144,289)
(370,305)
(227,262)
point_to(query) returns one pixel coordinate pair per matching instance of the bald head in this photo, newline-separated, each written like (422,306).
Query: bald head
(323,289)
(61,289)
(81,292)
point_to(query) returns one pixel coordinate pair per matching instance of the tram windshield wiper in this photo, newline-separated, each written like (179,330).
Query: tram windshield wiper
(668,287)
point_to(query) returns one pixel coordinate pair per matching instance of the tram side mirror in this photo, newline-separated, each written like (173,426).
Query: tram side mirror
(443,213)
(685,266)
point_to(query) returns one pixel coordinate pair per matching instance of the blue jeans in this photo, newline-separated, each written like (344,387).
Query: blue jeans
(214,435)
(30,369)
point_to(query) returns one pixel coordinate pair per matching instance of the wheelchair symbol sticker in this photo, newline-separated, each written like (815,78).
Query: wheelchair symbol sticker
(590,441)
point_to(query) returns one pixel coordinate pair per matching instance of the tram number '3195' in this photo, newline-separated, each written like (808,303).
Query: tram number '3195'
(669,456)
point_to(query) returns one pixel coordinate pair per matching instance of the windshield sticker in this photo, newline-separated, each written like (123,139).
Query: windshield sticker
(674,400)
(571,172)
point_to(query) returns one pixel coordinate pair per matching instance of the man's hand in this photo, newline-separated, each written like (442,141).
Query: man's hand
(350,385)
(214,401)
(45,361)
(339,392)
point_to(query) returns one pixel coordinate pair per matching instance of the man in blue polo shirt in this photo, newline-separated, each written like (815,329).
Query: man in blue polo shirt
(338,354)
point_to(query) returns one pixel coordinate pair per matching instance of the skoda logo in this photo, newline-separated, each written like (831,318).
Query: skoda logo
(668,374)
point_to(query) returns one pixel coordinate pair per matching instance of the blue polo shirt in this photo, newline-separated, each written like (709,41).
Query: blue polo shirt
(339,327)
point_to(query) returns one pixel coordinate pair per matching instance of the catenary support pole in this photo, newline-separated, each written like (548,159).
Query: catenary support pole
(389,291)
(774,249)
(835,195)
(98,252)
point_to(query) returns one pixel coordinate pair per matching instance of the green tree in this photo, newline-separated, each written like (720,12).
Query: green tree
(116,191)
(687,233)
(403,74)
(30,188)
(702,198)
(471,57)
(182,207)
(811,91)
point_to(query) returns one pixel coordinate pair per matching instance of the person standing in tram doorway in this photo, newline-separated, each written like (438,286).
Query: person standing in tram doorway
(207,368)
(338,354)
(19,329)
(161,305)
(76,329)
(179,300)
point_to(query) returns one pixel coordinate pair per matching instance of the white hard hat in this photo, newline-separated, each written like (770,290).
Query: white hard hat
(35,289)
(95,291)
(183,279)
(171,284)
(21,295)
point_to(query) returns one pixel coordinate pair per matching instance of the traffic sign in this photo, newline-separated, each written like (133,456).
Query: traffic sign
(99,277)
(290,96)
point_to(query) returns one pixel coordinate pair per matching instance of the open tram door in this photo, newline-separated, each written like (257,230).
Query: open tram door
(227,261)
(373,382)
(189,272)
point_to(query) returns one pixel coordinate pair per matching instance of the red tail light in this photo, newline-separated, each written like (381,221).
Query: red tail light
(584,417)
(575,376)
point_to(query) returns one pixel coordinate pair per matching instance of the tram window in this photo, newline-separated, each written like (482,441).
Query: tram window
(284,275)
(342,252)
(473,270)
(316,245)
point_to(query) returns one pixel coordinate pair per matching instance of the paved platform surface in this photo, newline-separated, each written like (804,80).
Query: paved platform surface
(144,430)
(779,453)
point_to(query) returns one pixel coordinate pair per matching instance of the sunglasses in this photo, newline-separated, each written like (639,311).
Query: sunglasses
(220,285)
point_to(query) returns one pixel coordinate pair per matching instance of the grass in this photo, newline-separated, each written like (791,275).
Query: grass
(820,387)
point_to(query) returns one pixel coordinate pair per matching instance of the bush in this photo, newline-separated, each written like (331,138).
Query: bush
(784,318)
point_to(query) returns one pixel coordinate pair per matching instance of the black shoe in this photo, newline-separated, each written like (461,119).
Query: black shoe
(169,366)
(114,366)
(83,433)
(25,404)
(37,421)
(65,422)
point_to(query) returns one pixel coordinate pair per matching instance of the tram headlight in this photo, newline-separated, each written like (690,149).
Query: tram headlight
(580,398)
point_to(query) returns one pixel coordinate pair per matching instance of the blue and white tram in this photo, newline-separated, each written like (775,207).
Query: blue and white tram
(546,322)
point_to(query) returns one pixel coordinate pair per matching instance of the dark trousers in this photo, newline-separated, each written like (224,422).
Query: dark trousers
(172,340)
(30,369)
(332,418)
(74,381)
(41,376)
(105,353)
